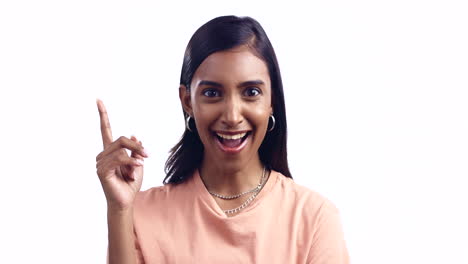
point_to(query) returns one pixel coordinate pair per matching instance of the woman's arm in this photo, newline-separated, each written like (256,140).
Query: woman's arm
(121,177)
(121,237)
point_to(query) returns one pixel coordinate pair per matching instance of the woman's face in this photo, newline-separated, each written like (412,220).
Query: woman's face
(230,100)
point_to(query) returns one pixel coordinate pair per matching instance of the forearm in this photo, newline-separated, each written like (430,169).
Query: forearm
(121,236)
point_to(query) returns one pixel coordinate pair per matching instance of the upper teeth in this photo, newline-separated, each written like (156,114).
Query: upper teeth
(231,136)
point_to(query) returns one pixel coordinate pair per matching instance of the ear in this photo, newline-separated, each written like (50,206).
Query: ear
(185,100)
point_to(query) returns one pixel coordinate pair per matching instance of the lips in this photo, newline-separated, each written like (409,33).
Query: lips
(232,142)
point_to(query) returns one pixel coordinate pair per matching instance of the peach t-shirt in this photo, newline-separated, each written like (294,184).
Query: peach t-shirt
(285,223)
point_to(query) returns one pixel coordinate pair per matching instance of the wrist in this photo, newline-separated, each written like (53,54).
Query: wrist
(119,210)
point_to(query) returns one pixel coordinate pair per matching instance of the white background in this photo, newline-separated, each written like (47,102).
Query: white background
(376,97)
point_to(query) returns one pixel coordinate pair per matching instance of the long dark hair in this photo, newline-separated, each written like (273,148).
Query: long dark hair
(218,34)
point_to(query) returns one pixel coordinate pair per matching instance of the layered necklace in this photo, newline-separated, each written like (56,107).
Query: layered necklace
(254,192)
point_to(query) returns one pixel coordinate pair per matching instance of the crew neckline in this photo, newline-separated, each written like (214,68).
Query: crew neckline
(213,206)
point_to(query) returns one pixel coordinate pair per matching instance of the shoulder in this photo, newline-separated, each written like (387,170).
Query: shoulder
(151,194)
(148,197)
(310,202)
(166,195)
(319,223)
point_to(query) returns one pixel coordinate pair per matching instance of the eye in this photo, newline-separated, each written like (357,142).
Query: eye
(211,93)
(252,91)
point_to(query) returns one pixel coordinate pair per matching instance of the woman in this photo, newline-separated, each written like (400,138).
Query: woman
(228,196)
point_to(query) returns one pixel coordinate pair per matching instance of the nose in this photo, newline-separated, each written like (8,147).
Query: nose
(232,113)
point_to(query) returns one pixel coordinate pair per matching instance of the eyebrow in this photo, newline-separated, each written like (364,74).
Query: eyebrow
(242,84)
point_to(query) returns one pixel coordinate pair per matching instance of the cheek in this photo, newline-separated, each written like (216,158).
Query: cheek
(260,115)
(205,115)
(205,112)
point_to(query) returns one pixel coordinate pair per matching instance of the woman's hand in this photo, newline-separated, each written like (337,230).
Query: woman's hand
(121,175)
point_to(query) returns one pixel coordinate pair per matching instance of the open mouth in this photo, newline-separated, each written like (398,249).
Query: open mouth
(232,143)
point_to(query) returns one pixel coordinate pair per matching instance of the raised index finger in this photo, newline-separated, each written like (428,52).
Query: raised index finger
(105,124)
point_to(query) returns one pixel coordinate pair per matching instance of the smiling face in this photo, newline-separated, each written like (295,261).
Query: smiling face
(230,101)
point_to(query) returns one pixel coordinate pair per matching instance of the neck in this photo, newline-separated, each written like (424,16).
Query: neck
(228,179)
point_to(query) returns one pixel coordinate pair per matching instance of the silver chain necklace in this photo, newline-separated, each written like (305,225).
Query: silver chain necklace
(241,194)
(237,209)
(247,202)
(255,191)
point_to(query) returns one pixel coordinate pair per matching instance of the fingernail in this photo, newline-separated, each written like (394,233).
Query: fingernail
(140,162)
(145,152)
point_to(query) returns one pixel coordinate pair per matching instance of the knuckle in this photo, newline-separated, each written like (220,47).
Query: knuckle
(98,157)
(121,140)
(101,173)
(99,165)
(105,126)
